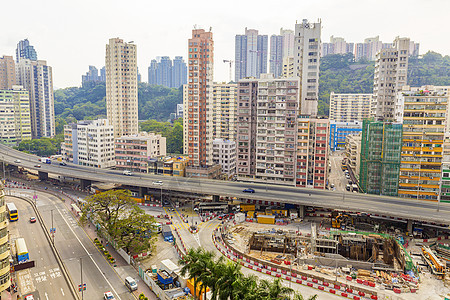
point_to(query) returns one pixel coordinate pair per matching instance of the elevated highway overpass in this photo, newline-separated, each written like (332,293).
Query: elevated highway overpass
(409,209)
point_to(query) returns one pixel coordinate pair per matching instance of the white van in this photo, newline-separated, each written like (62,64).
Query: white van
(131,284)
(126,172)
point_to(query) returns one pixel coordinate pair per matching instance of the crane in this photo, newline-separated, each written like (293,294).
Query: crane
(231,65)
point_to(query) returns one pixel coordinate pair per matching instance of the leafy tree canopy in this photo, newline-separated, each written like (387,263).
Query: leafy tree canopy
(117,212)
(172,132)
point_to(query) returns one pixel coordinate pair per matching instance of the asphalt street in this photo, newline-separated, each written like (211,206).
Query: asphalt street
(45,280)
(74,244)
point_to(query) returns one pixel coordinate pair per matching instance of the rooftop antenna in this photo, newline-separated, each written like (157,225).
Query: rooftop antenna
(195,26)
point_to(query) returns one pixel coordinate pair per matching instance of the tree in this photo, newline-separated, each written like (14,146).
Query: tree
(123,220)
(299,296)
(197,262)
(274,289)
(43,146)
(230,273)
(172,133)
(246,288)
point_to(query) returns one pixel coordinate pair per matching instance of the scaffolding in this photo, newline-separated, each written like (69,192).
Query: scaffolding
(381,145)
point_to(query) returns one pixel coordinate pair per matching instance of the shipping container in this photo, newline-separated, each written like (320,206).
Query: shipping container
(251,214)
(265,219)
(280,212)
(239,217)
(247,207)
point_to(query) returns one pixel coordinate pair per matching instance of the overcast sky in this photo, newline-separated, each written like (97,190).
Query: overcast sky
(71,35)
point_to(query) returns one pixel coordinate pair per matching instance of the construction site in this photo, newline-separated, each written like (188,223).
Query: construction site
(373,259)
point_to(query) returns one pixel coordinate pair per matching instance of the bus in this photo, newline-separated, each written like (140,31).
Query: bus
(204,207)
(13,214)
(21,250)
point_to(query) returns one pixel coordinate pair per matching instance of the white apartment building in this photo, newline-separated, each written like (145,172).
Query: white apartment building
(37,78)
(353,152)
(224,154)
(224,111)
(89,143)
(391,68)
(288,67)
(15,124)
(132,152)
(306,64)
(121,87)
(350,107)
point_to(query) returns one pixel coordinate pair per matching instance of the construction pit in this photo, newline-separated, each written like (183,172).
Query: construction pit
(374,260)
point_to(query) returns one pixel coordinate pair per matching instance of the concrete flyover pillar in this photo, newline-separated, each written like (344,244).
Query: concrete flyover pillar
(301,211)
(409,226)
(85,183)
(42,175)
(143,191)
(216,198)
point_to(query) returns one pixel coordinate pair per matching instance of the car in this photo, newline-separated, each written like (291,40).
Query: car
(127,173)
(347,176)
(220,217)
(248,190)
(18,161)
(108,296)
(159,182)
(332,185)
(62,164)
(29,297)
(37,166)
(32,219)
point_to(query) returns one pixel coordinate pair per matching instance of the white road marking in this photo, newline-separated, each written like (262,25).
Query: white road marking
(46,296)
(89,254)
(62,291)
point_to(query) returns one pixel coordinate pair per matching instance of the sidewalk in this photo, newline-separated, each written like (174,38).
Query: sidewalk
(121,267)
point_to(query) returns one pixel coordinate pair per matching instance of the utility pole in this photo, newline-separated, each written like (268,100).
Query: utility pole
(53,229)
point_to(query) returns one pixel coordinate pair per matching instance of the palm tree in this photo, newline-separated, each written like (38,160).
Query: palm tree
(195,263)
(246,288)
(229,274)
(274,289)
(298,296)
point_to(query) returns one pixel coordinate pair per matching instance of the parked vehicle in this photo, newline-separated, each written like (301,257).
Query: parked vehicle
(127,173)
(131,284)
(167,233)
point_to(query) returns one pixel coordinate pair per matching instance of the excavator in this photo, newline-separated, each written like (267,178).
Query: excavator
(341,220)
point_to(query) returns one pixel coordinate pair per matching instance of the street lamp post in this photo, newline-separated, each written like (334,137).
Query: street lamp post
(53,229)
(81,271)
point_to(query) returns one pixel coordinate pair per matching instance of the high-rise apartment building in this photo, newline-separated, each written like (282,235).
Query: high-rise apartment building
(306,64)
(391,68)
(133,152)
(350,107)
(276,55)
(162,71)
(224,110)
(224,154)
(92,76)
(381,146)
(89,143)
(266,139)
(312,152)
(424,122)
(199,101)
(288,42)
(288,67)
(250,54)
(25,51)
(337,45)
(15,123)
(121,87)
(5,254)
(37,78)
(7,72)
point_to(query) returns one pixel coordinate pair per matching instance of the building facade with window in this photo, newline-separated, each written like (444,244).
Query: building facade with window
(133,152)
